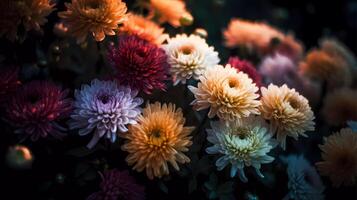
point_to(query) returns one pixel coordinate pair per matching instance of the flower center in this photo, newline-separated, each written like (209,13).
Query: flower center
(346,163)
(104,98)
(187,49)
(294,103)
(156,137)
(93,4)
(233,83)
(242,132)
(33,98)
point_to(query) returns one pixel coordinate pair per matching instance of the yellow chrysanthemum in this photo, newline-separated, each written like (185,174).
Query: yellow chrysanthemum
(159,137)
(171,11)
(289,113)
(339,155)
(144,28)
(340,106)
(99,17)
(229,94)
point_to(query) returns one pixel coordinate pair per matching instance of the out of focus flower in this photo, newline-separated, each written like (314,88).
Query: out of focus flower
(289,113)
(141,65)
(19,157)
(339,155)
(159,138)
(31,13)
(248,68)
(229,94)
(36,108)
(9,82)
(171,11)
(106,108)
(98,17)
(189,57)
(144,28)
(304,181)
(340,106)
(60,29)
(118,185)
(243,143)
(337,49)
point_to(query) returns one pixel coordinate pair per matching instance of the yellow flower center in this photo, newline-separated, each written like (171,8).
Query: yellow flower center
(157,137)
(187,49)
(233,82)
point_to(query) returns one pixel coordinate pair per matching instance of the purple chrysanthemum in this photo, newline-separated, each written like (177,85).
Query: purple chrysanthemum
(246,67)
(104,107)
(8,82)
(118,185)
(139,64)
(37,107)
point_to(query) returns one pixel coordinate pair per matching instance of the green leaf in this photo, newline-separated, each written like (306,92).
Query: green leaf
(225,188)
(212,195)
(163,187)
(192,185)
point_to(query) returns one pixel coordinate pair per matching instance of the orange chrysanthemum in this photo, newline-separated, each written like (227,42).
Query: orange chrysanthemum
(158,138)
(171,11)
(144,28)
(289,113)
(99,17)
(31,13)
(339,155)
(340,106)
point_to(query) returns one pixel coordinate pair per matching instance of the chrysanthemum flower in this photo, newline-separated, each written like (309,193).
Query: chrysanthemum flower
(304,181)
(31,13)
(171,11)
(339,155)
(105,108)
(36,109)
(289,113)
(229,94)
(340,106)
(9,82)
(189,57)
(159,138)
(243,143)
(98,17)
(141,65)
(337,49)
(118,185)
(246,67)
(144,28)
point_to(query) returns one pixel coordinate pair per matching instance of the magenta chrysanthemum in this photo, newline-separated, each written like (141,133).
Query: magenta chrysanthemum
(139,64)
(246,67)
(36,108)
(8,82)
(118,185)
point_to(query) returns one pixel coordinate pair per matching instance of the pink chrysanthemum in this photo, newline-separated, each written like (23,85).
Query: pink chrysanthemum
(8,82)
(36,108)
(246,67)
(139,64)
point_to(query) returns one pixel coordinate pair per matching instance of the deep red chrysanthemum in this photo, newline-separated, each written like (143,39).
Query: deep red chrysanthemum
(139,64)
(8,82)
(246,67)
(36,108)
(118,185)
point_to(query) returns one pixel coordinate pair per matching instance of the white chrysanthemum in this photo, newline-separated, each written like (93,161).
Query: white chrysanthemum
(189,56)
(304,181)
(243,143)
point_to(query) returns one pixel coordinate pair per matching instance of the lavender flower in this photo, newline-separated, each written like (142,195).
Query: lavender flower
(104,107)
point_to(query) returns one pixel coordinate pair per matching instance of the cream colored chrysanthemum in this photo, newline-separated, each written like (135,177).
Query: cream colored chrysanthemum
(229,94)
(144,28)
(171,11)
(340,106)
(189,57)
(339,155)
(159,138)
(289,113)
(98,17)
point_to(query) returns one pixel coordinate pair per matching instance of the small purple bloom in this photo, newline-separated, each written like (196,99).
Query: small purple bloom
(105,108)
(118,185)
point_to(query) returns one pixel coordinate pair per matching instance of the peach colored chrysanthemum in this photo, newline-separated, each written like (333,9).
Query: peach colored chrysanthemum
(339,155)
(340,106)
(229,94)
(98,17)
(171,11)
(144,28)
(159,138)
(31,13)
(289,113)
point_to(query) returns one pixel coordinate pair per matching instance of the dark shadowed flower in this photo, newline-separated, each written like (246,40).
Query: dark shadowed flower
(106,108)
(36,108)
(141,65)
(246,67)
(8,82)
(118,185)
(304,181)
